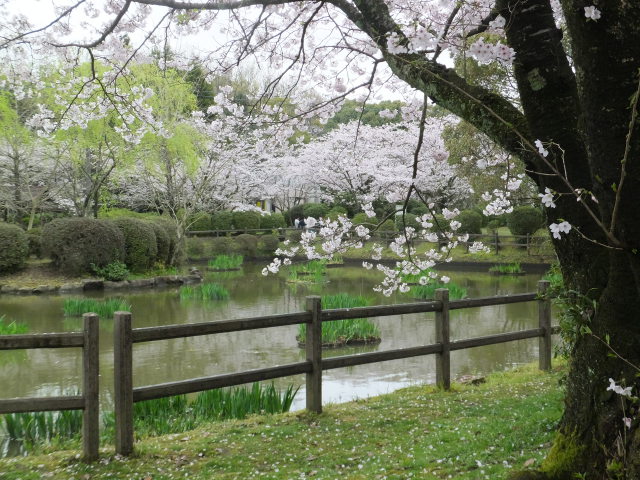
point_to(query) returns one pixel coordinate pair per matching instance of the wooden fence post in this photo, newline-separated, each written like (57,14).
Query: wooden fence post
(313,342)
(544,322)
(443,360)
(123,382)
(90,387)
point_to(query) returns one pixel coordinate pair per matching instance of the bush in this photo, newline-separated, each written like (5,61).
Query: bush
(269,243)
(246,245)
(275,220)
(175,251)
(494,224)
(75,243)
(246,220)
(220,245)
(140,244)
(471,222)
(362,219)
(294,236)
(336,212)
(200,222)
(419,210)
(196,247)
(163,243)
(15,247)
(112,213)
(295,212)
(34,236)
(409,221)
(315,210)
(222,220)
(388,226)
(524,220)
(114,272)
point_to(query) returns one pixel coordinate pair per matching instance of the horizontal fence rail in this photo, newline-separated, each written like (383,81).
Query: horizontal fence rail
(88,402)
(125,336)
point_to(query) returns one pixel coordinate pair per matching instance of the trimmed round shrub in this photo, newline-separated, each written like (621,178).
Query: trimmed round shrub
(388,226)
(163,242)
(419,210)
(15,247)
(409,221)
(196,247)
(169,226)
(140,243)
(362,219)
(295,212)
(337,211)
(269,243)
(494,224)
(275,220)
(200,222)
(246,220)
(294,236)
(524,220)
(74,244)
(220,246)
(315,210)
(471,222)
(246,245)
(34,236)
(222,220)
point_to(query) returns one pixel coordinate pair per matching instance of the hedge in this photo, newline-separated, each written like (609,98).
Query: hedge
(222,220)
(295,212)
(141,246)
(245,245)
(269,243)
(471,222)
(75,243)
(275,220)
(409,221)
(163,243)
(362,219)
(246,220)
(315,210)
(175,255)
(337,211)
(15,247)
(200,222)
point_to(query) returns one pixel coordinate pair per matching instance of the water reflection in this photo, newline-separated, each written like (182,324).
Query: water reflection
(48,372)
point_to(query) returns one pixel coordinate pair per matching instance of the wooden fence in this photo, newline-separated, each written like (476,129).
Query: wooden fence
(88,401)
(314,365)
(125,336)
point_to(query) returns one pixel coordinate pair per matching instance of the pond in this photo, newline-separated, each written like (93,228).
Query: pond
(58,371)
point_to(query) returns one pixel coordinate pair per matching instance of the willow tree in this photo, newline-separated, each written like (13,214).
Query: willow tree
(568,113)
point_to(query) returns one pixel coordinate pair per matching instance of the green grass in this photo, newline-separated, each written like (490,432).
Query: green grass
(469,433)
(427,292)
(179,413)
(205,291)
(510,268)
(13,327)
(39,427)
(344,332)
(74,307)
(310,272)
(226,262)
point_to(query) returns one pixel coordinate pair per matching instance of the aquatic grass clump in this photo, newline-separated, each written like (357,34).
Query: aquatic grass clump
(178,414)
(508,269)
(427,292)
(74,307)
(36,428)
(205,291)
(226,262)
(344,332)
(310,272)
(13,327)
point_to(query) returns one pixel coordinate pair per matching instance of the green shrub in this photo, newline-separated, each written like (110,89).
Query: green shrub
(440,223)
(112,213)
(409,221)
(220,245)
(275,220)
(163,243)
(246,245)
(419,210)
(337,211)
(246,220)
(524,220)
(140,243)
(74,244)
(14,248)
(471,222)
(199,222)
(222,220)
(294,236)
(362,219)
(295,212)
(114,272)
(269,243)
(175,251)
(196,247)
(315,210)
(388,226)
(34,237)
(494,224)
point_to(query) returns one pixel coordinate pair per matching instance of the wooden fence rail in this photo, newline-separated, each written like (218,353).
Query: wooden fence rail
(314,365)
(88,340)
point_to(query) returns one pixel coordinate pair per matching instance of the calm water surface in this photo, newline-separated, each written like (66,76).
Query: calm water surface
(46,372)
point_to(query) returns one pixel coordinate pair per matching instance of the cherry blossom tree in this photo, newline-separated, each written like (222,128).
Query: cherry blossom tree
(569,117)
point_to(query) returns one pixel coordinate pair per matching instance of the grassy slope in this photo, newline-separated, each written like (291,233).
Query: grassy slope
(418,432)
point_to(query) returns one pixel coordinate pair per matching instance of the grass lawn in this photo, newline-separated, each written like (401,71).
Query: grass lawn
(472,432)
